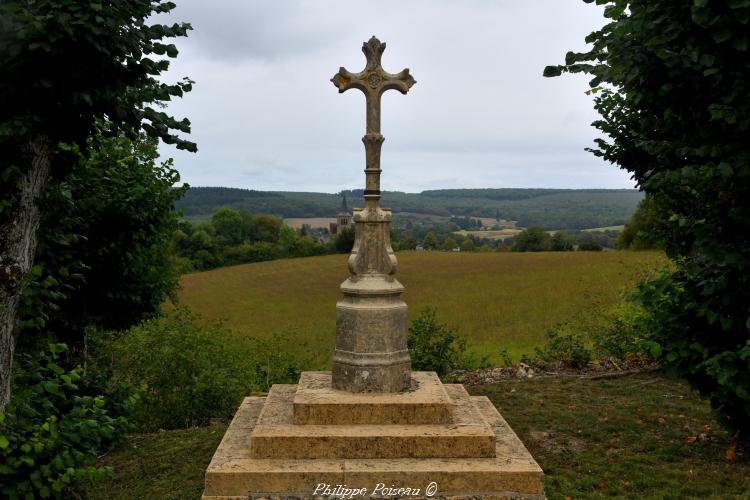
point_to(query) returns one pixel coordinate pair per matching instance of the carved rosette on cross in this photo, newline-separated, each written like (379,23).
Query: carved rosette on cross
(371,352)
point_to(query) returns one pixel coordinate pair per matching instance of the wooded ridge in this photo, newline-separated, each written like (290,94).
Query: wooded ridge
(552,208)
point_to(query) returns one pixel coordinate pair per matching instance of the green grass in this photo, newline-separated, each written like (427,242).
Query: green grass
(627,438)
(164,465)
(497,300)
(619,438)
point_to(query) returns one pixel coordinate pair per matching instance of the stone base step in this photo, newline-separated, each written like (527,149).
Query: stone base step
(317,403)
(276,436)
(235,474)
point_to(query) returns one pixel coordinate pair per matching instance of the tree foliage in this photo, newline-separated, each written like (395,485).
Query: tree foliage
(105,255)
(430,241)
(233,237)
(65,63)
(467,245)
(449,244)
(643,229)
(51,434)
(532,239)
(671,82)
(64,66)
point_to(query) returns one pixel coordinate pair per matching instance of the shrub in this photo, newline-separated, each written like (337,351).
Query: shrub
(625,334)
(590,246)
(185,373)
(50,435)
(435,347)
(262,251)
(507,359)
(566,347)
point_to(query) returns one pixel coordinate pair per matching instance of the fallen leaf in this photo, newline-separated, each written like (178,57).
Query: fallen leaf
(731,454)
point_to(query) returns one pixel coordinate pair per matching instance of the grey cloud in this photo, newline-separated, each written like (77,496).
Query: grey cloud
(265,115)
(233,30)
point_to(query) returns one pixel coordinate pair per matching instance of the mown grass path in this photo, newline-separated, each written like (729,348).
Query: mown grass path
(632,437)
(498,300)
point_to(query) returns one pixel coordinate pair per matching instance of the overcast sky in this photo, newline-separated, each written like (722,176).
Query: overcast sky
(265,115)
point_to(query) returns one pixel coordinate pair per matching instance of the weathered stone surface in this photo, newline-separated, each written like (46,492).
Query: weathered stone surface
(316,402)
(371,353)
(277,436)
(511,473)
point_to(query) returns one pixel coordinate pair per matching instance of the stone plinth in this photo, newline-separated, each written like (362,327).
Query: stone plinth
(317,402)
(304,435)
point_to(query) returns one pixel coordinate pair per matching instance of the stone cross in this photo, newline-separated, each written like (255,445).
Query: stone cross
(371,352)
(373,81)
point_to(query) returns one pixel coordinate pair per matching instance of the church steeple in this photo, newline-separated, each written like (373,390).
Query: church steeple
(344,217)
(344,208)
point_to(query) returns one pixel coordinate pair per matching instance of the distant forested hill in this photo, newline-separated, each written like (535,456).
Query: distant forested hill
(551,208)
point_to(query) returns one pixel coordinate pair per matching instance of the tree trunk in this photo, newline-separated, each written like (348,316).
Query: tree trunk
(18,234)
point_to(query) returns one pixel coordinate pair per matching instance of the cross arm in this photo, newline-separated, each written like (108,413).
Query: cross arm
(373,80)
(401,81)
(346,80)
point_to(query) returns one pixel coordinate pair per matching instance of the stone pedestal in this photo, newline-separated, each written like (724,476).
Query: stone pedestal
(371,354)
(306,437)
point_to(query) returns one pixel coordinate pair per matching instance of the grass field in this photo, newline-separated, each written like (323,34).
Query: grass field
(643,436)
(497,300)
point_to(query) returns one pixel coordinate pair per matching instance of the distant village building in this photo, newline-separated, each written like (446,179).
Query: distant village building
(343,218)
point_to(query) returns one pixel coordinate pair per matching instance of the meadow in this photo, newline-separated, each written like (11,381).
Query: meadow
(499,301)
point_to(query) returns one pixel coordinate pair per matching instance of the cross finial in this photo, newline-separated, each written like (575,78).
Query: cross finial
(373,81)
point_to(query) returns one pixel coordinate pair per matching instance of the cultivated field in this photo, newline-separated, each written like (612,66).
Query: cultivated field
(313,222)
(500,234)
(498,300)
